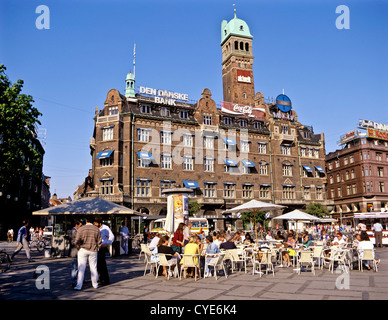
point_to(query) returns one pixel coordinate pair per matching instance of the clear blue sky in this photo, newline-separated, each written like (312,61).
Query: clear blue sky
(333,77)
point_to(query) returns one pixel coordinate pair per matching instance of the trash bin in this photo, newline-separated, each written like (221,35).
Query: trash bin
(116,248)
(47,252)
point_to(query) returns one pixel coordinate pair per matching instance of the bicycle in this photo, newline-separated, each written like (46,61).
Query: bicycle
(40,244)
(136,241)
(5,261)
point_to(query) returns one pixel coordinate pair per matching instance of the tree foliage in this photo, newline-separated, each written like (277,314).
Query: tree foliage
(18,120)
(194,207)
(317,209)
(257,217)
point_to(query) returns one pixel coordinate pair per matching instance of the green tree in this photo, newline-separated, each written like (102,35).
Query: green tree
(317,209)
(194,207)
(257,217)
(18,120)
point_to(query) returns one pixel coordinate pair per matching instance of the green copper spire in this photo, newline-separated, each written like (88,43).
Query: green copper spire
(130,85)
(235,27)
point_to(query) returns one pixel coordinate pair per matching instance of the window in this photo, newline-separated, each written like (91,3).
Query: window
(143,188)
(106,187)
(143,135)
(245,169)
(113,110)
(351,157)
(380,171)
(352,174)
(338,177)
(229,190)
(330,165)
(187,140)
(145,109)
(244,146)
(166,137)
(287,169)
(264,192)
(379,156)
(165,112)
(284,129)
(349,190)
(165,184)
(143,163)
(210,190)
(354,187)
(208,165)
(319,193)
(332,193)
(188,163)
(288,192)
(257,125)
(381,186)
(184,114)
(316,153)
(302,152)
(339,192)
(347,175)
(208,142)
(262,148)
(207,120)
(263,168)
(227,121)
(247,191)
(337,163)
(166,162)
(285,150)
(306,191)
(346,161)
(104,162)
(107,134)
(243,123)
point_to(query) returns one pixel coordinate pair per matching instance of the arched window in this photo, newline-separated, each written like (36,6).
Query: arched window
(247,46)
(236,45)
(241,45)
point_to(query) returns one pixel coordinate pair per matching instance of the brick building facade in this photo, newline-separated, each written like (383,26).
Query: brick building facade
(245,147)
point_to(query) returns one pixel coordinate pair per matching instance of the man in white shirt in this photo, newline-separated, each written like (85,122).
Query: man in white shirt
(378,229)
(361,227)
(339,240)
(268,236)
(107,239)
(154,242)
(124,233)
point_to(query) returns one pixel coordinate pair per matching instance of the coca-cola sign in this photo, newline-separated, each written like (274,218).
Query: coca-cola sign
(235,109)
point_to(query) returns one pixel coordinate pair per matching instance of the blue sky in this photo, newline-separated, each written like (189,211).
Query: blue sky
(333,77)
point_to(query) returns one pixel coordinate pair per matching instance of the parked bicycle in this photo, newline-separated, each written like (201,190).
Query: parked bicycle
(5,261)
(40,244)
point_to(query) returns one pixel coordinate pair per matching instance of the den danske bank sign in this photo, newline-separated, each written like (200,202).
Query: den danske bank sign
(164,96)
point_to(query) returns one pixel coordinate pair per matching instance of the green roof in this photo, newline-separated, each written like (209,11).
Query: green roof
(235,27)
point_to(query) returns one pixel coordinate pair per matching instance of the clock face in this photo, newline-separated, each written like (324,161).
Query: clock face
(283,103)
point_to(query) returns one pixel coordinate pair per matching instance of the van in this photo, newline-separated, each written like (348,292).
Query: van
(198,225)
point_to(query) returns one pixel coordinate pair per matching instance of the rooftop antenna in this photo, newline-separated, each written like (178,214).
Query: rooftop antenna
(283,91)
(134,59)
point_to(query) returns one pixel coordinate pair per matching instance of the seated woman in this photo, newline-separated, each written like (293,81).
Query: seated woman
(172,256)
(192,248)
(306,241)
(365,244)
(211,250)
(290,244)
(248,239)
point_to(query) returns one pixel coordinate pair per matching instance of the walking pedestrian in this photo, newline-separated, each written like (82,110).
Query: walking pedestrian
(22,241)
(74,253)
(124,233)
(107,238)
(88,241)
(378,229)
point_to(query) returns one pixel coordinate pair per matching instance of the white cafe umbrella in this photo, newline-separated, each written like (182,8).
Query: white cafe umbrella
(254,206)
(297,215)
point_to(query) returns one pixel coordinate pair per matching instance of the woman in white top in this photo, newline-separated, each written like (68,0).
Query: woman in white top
(364,244)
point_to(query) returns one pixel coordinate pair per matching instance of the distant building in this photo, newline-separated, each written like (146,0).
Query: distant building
(357,173)
(148,140)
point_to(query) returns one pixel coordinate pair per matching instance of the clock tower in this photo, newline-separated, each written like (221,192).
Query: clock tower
(237,62)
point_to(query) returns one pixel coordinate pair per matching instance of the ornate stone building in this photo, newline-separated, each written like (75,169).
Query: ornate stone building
(245,147)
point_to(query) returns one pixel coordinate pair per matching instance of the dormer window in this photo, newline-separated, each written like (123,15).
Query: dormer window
(241,28)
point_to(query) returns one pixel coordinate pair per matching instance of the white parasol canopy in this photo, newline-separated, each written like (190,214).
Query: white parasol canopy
(254,206)
(297,215)
(90,205)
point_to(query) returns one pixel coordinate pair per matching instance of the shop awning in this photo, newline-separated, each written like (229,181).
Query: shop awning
(145,156)
(104,154)
(249,164)
(307,168)
(191,184)
(230,142)
(230,163)
(319,169)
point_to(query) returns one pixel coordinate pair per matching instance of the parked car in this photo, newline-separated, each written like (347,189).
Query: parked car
(48,231)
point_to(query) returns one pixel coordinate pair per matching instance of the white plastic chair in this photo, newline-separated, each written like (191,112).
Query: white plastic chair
(266,260)
(306,258)
(163,262)
(237,258)
(188,261)
(367,255)
(218,263)
(151,261)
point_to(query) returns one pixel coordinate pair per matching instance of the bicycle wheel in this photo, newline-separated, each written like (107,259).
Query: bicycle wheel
(41,246)
(5,262)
